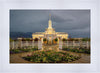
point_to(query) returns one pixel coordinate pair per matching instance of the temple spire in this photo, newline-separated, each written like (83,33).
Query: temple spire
(50,22)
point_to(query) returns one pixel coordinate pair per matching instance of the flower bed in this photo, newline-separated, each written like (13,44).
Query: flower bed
(50,57)
(80,50)
(14,51)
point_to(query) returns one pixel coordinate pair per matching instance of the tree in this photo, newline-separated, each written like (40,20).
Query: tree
(70,39)
(28,39)
(56,39)
(86,39)
(64,39)
(76,39)
(44,39)
(36,39)
(11,40)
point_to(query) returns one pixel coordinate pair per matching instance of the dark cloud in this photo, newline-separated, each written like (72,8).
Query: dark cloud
(70,21)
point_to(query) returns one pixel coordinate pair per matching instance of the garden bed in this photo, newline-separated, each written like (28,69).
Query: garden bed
(79,50)
(14,51)
(50,57)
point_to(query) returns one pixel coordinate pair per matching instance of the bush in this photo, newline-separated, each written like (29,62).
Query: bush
(56,39)
(64,39)
(12,51)
(44,39)
(86,39)
(26,39)
(11,40)
(80,50)
(34,49)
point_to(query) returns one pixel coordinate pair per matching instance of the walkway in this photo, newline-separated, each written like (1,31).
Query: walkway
(51,47)
(17,58)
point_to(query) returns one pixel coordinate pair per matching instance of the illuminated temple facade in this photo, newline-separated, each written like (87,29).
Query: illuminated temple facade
(50,34)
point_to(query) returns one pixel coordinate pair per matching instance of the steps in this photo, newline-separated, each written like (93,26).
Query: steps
(51,47)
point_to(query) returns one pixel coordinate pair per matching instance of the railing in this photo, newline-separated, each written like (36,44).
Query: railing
(23,44)
(76,44)
(38,44)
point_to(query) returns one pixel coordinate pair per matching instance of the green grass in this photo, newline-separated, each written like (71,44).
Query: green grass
(80,50)
(14,51)
(51,57)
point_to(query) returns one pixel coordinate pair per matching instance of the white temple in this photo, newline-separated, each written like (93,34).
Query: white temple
(50,34)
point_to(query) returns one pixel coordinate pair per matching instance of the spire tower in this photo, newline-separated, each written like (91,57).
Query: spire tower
(50,22)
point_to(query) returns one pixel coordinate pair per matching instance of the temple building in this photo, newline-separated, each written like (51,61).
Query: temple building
(50,34)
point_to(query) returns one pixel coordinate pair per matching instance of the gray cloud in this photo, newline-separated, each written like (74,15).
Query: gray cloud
(70,21)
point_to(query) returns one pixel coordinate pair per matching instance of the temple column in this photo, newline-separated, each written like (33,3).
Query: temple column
(33,43)
(40,44)
(60,43)
(20,42)
(42,40)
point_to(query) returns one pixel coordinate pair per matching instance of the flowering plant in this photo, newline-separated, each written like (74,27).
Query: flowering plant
(51,57)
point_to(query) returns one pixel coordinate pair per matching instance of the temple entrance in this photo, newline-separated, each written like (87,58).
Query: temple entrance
(50,40)
(50,43)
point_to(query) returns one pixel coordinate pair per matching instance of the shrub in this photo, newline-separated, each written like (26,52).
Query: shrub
(36,39)
(11,40)
(44,39)
(64,39)
(80,50)
(12,51)
(86,39)
(56,39)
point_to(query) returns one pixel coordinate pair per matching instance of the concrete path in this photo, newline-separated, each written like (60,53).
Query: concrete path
(85,58)
(17,58)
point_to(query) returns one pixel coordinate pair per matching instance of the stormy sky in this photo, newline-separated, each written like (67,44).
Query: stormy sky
(74,22)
